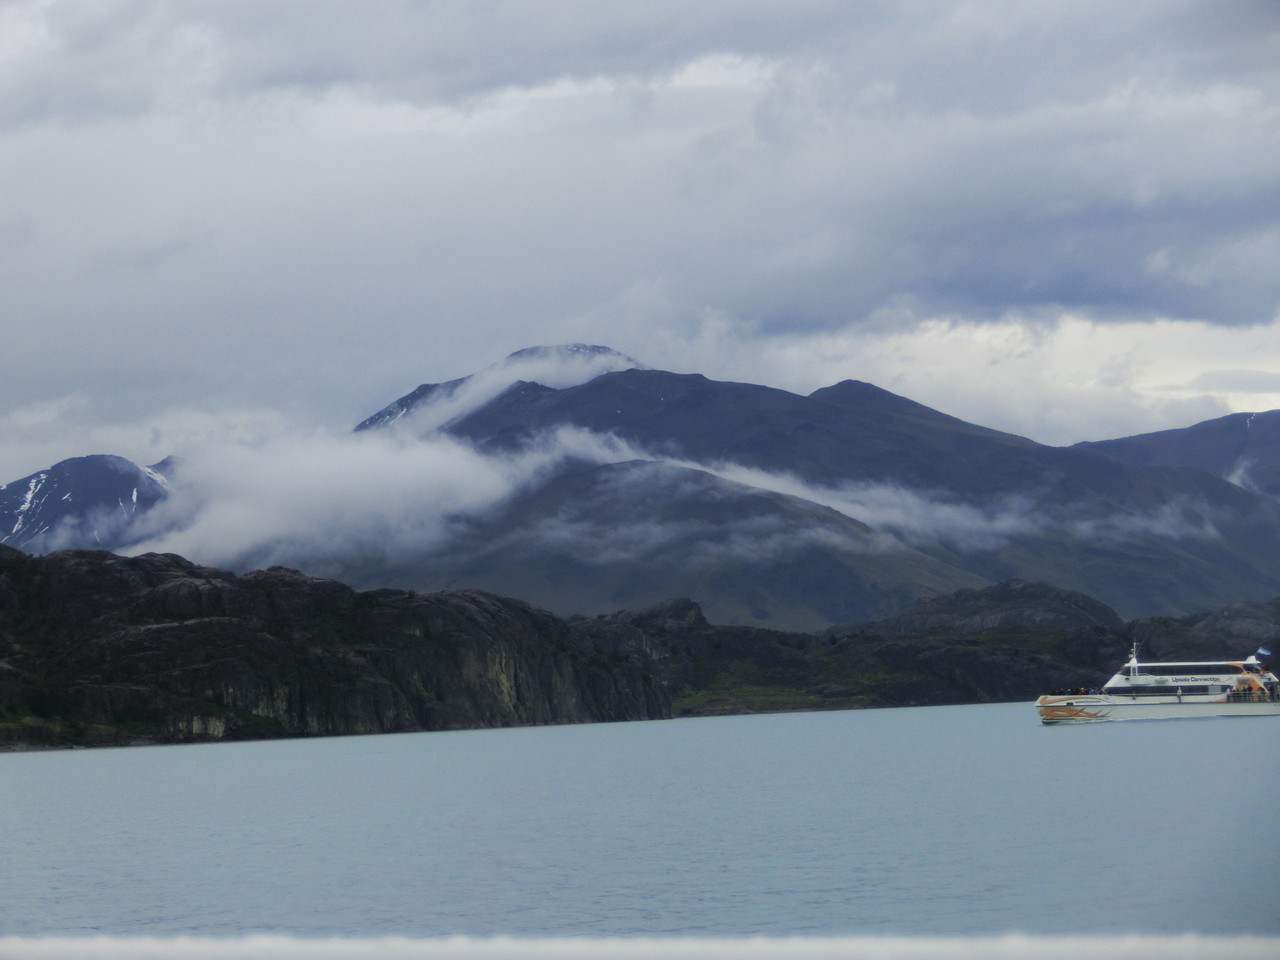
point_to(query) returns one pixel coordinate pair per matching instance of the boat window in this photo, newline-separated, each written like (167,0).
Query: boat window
(1188,670)
(1160,690)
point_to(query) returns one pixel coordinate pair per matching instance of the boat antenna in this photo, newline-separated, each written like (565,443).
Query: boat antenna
(1133,658)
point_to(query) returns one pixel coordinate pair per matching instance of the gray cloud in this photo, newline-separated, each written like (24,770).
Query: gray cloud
(925,518)
(565,366)
(1240,381)
(311,500)
(449,51)
(313,207)
(320,500)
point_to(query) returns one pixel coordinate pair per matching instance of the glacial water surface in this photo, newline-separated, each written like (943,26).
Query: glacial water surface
(938,821)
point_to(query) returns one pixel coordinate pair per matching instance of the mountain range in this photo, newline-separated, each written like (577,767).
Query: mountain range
(769,508)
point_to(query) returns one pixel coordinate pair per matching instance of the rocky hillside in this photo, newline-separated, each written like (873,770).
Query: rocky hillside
(1241,447)
(711,669)
(1011,641)
(100,649)
(1011,605)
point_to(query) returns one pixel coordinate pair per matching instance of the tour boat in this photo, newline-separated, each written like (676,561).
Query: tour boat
(1164,691)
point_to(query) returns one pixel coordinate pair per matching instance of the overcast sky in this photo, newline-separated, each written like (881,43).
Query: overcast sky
(233,217)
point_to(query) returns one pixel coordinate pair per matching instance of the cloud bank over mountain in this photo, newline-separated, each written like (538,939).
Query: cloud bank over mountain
(627,485)
(308,500)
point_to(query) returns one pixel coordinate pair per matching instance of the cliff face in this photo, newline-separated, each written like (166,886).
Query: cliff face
(96,648)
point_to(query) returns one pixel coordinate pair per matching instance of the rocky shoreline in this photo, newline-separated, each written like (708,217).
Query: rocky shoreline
(103,650)
(97,649)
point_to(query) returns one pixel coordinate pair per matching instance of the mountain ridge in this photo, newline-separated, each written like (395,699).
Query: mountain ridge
(886,501)
(571,363)
(1241,447)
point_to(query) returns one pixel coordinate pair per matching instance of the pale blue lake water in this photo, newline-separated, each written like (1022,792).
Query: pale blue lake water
(939,821)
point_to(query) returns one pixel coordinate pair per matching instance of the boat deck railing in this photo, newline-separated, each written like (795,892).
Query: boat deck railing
(1252,696)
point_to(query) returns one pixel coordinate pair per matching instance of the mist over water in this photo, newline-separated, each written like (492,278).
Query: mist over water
(969,821)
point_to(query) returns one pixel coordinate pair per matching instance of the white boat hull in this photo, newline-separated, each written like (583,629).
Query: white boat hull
(1090,708)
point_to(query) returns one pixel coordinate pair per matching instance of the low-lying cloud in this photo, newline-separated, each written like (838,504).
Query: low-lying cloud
(327,496)
(329,501)
(556,367)
(923,518)
(251,489)
(701,546)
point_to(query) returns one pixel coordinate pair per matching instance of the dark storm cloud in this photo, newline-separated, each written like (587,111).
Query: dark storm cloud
(422,52)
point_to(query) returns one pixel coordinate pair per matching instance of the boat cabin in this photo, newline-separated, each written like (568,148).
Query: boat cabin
(1245,677)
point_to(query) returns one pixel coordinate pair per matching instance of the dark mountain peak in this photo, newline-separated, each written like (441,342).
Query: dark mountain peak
(94,464)
(675,616)
(522,389)
(1249,623)
(410,401)
(1011,604)
(1223,436)
(851,390)
(572,352)
(858,394)
(1243,448)
(680,610)
(82,500)
(849,433)
(870,400)
(435,405)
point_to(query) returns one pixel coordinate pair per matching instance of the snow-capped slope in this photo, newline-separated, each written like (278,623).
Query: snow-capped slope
(82,502)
